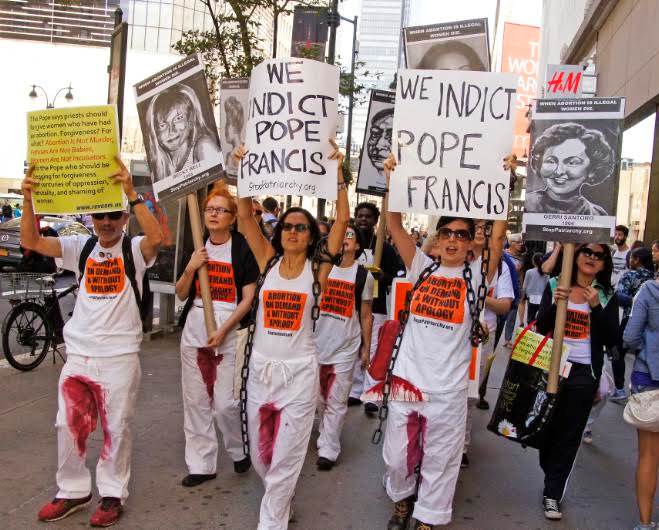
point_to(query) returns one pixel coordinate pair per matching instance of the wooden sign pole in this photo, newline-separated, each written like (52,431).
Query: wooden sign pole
(380,236)
(565,280)
(202,273)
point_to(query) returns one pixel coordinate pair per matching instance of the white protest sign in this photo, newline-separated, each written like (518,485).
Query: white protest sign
(452,130)
(292,114)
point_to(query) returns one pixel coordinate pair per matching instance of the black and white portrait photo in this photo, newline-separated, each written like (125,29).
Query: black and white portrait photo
(180,137)
(377,142)
(451,46)
(234,94)
(571,163)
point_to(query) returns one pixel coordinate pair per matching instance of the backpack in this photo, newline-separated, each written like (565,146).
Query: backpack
(144,300)
(514,278)
(360,281)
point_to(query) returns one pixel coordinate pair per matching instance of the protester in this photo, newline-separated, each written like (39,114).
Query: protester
(366,217)
(430,247)
(102,371)
(7,211)
(535,282)
(498,301)
(428,407)
(208,363)
(270,215)
(619,253)
(655,255)
(516,252)
(642,335)
(592,325)
(324,228)
(17,210)
(282,388)
(551,263)
(343,338)
(641,270)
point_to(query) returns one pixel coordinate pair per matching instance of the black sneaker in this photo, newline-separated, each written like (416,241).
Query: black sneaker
(552,509)
(193,480)
(354,402)
(371,409)
(401,515)
(465,461)
(242,466)
(482,404)
(324,464)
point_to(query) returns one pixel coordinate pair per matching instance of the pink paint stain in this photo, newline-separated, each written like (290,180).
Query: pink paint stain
(327,378)
(401,390)
(269,418)
(208,362)
(416,436)
(85,401)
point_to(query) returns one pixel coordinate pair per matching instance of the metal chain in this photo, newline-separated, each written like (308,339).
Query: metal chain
(402,319)
(477,299)
(321,255)
(244,372)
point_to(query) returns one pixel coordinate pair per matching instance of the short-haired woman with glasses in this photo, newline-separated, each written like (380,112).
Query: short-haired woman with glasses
(282,385)
(591,325)
(207,363)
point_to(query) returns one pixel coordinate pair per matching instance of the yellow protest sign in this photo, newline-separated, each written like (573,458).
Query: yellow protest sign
(526,350)
(73,152)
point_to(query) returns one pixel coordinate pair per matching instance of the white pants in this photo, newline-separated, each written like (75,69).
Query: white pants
(335,383)
(92,389)
(281,403)
(485,351)
(361,381)
(207,384)
(430,434)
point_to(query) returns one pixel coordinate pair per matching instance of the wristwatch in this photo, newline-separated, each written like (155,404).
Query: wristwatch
(137,201)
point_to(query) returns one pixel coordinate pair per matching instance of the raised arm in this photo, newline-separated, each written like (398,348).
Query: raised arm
(149,225)
(403,241)
(31,239)
(249,226)
(550,263)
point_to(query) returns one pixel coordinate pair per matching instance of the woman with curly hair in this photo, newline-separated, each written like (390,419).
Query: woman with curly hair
(568,156)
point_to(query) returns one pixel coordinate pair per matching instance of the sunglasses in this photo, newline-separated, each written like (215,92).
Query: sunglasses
(590,253)
(219,210)
(299,227)
(113,216)
(460,235)
(350,235)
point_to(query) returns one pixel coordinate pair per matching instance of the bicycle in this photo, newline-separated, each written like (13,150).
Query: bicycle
(34,324)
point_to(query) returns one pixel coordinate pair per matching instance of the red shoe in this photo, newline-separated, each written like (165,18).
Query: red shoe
(107,513)
(60,508)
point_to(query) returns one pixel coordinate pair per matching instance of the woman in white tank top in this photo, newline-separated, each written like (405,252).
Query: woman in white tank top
(282,384)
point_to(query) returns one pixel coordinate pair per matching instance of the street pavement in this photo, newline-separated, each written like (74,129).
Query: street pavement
(500,490)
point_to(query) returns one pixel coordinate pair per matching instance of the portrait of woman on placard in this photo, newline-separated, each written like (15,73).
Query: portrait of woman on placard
(179,134)
(567,157)
(234,125)
(451,55)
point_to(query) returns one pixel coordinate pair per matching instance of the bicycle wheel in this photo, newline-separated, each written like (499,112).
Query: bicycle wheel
(26,336)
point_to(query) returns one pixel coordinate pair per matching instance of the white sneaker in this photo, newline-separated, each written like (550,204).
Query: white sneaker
(588,436)
(552,509)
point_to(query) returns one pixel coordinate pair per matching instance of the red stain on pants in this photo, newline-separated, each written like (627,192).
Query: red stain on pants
(269,418)
(327,378)
(85,402)
(416,435)
(208,362)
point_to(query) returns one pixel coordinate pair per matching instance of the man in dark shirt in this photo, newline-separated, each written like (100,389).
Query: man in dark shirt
(366,217)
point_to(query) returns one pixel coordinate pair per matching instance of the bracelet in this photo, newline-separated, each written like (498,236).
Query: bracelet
(341,186)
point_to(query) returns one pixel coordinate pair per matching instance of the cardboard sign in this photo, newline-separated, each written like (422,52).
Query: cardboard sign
(234,95)
(563,81)
(571,188)
(461,45)
(451,133)
(283,310)
(338,298)
(178,126)
(399,289)
(377,143)
(73,152)
(526,350)
(292,114)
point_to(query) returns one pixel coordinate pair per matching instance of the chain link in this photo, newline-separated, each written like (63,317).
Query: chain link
(249,344)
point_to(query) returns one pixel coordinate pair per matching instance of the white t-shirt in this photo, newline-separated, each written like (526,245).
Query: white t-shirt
(577,333)
(619,265)
(435,351)
(106,320)
(502,288)
(338,331)
(223,291)
(283,322)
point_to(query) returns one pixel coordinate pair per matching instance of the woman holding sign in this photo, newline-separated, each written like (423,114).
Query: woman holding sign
(428,386)
(207,363)
(282,365)
(592,324)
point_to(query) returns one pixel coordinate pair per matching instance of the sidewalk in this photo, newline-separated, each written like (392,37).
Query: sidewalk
(501,489)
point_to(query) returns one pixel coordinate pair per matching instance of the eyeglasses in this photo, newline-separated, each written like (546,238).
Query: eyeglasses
(299,227)
(460,235)
(113,216)
(219,210)
(590,253)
